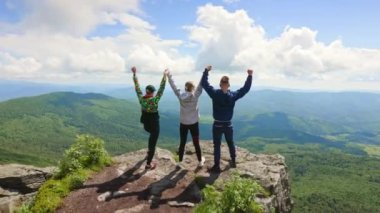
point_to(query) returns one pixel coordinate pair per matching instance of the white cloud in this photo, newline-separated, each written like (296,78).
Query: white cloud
(21,67)
(232,41)
(134,22)
(54,34)
(157,60)
(222,35)
(52,43)
(102,61)
(71,16)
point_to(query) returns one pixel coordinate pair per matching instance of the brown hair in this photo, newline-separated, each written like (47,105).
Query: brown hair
(225,79)
(189,86)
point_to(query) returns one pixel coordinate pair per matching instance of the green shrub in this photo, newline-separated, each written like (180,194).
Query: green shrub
(76,180)
(24,208)
(87,152)
(236,197)
(211,203)
(83,157)
(49,195)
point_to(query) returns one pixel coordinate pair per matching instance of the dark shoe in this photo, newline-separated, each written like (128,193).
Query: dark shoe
(215,169)
(150,166)
(233,164)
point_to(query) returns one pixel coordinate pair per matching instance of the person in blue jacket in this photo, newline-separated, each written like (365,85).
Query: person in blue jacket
(223,103)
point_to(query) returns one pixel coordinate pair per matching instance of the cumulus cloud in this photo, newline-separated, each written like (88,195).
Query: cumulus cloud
(233,41)
(98,61)
(71,16)
(21,67)
(52,42)
(152,60)
(54,34)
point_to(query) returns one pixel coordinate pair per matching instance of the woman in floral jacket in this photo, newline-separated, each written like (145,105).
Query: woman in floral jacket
(149,114)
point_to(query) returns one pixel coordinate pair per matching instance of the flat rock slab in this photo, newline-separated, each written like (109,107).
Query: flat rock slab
(127,187)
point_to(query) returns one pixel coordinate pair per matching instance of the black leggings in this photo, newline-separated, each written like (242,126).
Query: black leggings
(152,125)
(194,130)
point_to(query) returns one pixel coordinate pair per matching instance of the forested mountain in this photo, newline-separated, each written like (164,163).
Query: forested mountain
(37,129)
(330,140)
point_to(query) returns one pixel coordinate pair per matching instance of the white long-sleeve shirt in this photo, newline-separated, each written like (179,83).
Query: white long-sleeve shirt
(189,110)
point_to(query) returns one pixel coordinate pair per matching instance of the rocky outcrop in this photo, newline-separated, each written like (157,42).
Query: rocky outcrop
(128,187)
(19,183)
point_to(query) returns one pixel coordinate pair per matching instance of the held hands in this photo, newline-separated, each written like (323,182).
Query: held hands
(208,68)
(166,72)
(250,72)
(133,69)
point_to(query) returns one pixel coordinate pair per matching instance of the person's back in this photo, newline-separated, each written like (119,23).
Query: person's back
(189,110)
(149,114)
(189,116)
(223,105)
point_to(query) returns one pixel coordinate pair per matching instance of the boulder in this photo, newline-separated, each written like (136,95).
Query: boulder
(19,183)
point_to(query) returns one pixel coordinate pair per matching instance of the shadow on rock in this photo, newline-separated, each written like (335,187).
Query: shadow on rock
(115,184)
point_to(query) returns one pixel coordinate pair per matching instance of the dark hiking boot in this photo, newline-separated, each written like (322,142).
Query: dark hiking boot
(215,169)
(233,163)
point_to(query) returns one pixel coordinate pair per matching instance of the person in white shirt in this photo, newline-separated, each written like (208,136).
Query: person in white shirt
(189,116)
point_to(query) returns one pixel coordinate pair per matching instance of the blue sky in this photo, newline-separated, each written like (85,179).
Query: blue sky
(325,44)
(355,22)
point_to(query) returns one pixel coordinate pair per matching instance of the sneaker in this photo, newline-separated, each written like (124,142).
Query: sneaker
(202,162)
(215,169)
(233,164)
(150,166)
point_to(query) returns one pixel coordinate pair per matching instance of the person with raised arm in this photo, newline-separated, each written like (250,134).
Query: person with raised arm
(149,114)
(223,103)
(189,116)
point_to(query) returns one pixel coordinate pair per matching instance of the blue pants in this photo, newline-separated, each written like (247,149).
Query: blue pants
(218,129)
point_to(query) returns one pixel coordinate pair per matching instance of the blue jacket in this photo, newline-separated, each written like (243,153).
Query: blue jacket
(223,103)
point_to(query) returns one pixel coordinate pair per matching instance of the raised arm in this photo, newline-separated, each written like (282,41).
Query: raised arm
(137,85)
(198,90)
(247,86)
(205,84)
(177,91)
(160,91)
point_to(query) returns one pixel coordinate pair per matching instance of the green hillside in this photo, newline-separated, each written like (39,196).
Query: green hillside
(349,117)
(37,129)
(324,180)
(355,110)
(343,111)
(333,166)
